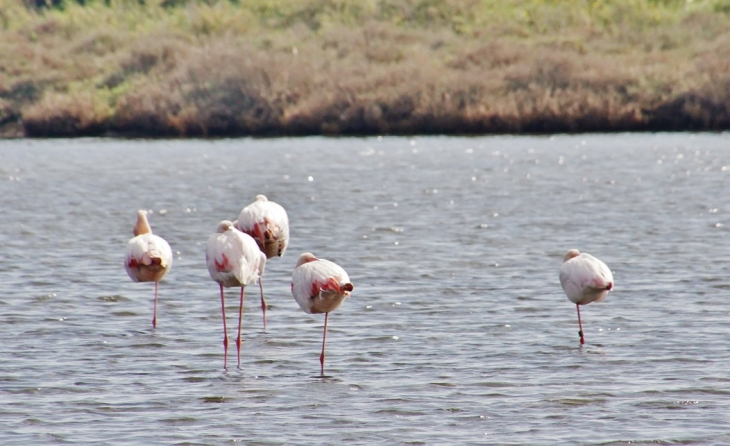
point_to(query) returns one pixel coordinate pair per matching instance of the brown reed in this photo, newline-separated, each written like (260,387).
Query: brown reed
(357,68)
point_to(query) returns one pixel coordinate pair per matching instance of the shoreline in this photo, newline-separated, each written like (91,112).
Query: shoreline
(670,118)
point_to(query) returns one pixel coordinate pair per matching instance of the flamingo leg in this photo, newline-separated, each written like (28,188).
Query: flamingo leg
(263,301)
(324,338)
(238,338)
(580,326)
(154,312)
(225,331)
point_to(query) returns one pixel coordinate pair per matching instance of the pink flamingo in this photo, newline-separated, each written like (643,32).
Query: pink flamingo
(268,224)
(233,260)
(148,257)
(585,279)
(319,286)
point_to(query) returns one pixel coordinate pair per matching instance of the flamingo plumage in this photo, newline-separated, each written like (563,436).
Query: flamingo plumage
(585,279)
(268,224)
(233,260)
(319,286)
(148,257)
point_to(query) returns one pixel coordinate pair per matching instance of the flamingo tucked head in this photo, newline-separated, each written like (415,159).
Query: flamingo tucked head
(305,258)
(142,226)
(260,197)
(570,254)
(224,226)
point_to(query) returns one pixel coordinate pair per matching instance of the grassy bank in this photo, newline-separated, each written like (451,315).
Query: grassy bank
(261,67)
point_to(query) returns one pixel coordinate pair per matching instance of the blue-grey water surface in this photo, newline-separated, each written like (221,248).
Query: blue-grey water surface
(458,331)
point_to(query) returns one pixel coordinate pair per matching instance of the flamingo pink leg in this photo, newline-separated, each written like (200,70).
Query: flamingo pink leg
(225,331)
(324,338)
(238,338)
(263,301)
(154,312)
(580,326)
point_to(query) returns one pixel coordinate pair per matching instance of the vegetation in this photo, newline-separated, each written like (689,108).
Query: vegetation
(273,67)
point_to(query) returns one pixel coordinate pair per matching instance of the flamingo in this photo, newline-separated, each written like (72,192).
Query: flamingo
(585,279)
(319,286)
(233,260)
(268,224)
(148,257)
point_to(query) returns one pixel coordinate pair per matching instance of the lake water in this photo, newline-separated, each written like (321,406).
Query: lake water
(458,331)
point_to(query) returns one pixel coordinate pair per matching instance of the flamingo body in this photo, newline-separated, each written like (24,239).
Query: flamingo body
(267,223)
(148,257)
(232,257)
(318,285)
(584,278)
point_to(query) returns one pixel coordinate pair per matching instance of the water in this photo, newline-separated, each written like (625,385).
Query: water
(457,331)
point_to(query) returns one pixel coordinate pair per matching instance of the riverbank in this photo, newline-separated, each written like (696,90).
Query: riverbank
(349,67)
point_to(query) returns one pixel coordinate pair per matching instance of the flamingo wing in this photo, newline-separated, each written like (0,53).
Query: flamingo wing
(277,222)
(302,287)
(248,217)
(329,272)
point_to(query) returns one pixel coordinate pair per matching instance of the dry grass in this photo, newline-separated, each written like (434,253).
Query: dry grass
(364,67)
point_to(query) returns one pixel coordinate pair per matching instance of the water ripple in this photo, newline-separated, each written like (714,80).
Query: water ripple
(457,333)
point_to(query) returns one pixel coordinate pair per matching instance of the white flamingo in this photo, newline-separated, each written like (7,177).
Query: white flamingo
(233,260)
(148,257)
(585,279)
(268,224)
(319,286)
